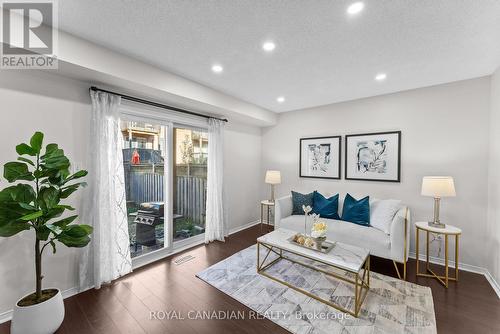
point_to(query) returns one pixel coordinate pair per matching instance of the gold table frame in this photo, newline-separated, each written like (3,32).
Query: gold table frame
(444,280)
(360,283)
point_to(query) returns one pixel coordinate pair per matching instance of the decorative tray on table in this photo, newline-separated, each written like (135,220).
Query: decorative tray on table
(306,241)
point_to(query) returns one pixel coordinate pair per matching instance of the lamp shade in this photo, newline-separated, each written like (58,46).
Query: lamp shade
(438,186)
(273,177)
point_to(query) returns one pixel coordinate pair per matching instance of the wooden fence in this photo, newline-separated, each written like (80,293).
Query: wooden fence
(144,187)
(191,198)
(191,193)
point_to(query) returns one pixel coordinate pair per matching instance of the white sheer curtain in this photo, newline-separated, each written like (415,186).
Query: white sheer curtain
(215,219)
(108,255)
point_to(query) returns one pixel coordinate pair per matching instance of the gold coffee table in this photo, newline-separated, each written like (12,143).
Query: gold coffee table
(343,257)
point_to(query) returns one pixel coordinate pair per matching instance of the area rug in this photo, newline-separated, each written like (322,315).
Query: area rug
(391,305)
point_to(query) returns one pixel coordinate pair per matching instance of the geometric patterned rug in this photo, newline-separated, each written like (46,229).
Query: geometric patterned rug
(391,305)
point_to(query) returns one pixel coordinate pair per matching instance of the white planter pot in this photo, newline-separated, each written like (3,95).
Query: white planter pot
(43,318)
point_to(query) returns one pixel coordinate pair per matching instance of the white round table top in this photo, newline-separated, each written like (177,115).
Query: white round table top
(267,202)
(449,229)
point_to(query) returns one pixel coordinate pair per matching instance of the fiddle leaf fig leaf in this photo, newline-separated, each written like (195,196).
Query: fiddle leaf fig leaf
(75,235)
(66,207)
(51,147)
(66,221)
(21,193)
(53,213)
(27,207)
(16,170)
(36,142)
(12,228)
(32,216)
(28,161)
(25,149)
(48,198)
(77,175)
(54,229)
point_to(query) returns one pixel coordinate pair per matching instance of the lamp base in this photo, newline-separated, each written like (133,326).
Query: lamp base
(436,224)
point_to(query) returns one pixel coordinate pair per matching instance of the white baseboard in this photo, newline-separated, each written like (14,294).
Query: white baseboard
(494,284)
(7,315)
(465,267)
(237,229)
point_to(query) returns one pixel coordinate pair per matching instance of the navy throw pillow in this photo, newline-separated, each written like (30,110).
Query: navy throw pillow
(356,211)
(298,200)
(326,207)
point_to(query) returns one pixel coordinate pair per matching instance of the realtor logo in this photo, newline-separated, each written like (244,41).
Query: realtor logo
(29,34)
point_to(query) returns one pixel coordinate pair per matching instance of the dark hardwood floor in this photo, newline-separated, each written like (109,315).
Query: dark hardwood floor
(469,306)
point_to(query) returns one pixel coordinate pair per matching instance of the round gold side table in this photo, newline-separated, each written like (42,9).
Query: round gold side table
(266,206)
(449,230)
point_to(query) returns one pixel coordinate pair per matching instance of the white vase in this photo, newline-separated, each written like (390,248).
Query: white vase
(42,318)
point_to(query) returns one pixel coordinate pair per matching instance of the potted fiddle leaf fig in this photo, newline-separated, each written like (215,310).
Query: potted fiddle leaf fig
(43,182)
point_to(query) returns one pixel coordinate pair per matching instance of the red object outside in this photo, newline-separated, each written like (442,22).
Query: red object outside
(136,159)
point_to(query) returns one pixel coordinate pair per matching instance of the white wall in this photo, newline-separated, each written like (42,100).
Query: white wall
(444,132)
(60,107)
(493,228)
(242,173)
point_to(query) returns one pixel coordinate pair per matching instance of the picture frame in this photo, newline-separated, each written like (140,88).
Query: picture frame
(320,157)
(373,156)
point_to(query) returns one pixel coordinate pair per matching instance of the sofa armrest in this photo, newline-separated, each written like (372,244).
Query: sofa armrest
(400,235)
(283,209)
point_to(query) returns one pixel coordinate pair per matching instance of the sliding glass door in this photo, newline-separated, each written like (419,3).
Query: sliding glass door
(144,162)
(189,182)
(165,169)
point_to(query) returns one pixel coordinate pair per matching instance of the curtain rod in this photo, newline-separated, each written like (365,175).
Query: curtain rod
(155,104)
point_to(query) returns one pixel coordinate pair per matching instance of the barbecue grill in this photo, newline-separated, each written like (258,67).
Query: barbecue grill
(148,216)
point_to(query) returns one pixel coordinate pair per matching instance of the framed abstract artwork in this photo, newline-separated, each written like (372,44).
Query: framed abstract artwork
(373,156)
(320,157)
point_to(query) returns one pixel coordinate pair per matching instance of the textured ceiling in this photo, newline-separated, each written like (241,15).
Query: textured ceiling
(322,55)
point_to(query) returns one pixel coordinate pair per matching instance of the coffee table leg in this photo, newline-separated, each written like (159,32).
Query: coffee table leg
(258,256)
(356,296)
(368,271)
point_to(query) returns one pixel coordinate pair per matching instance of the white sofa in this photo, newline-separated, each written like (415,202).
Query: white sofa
(394,246)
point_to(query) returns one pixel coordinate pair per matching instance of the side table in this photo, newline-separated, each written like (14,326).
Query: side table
(449,230)
(265,206)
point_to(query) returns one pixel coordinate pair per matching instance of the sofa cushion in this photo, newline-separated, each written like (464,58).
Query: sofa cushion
(382,213)
(356,211)
(298,200)
(326,207)
(367,237)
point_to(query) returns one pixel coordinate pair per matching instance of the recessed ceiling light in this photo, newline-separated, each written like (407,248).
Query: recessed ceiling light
(381,77)
(355,8)
(217,68)
(268,46)
(280,99)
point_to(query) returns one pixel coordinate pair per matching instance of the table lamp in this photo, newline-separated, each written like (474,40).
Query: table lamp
(273,177)
(437,187)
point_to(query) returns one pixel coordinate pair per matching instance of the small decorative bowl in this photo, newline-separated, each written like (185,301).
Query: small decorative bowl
(319,242)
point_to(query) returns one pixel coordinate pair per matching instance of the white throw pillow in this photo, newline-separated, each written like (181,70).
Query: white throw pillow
(382,212)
